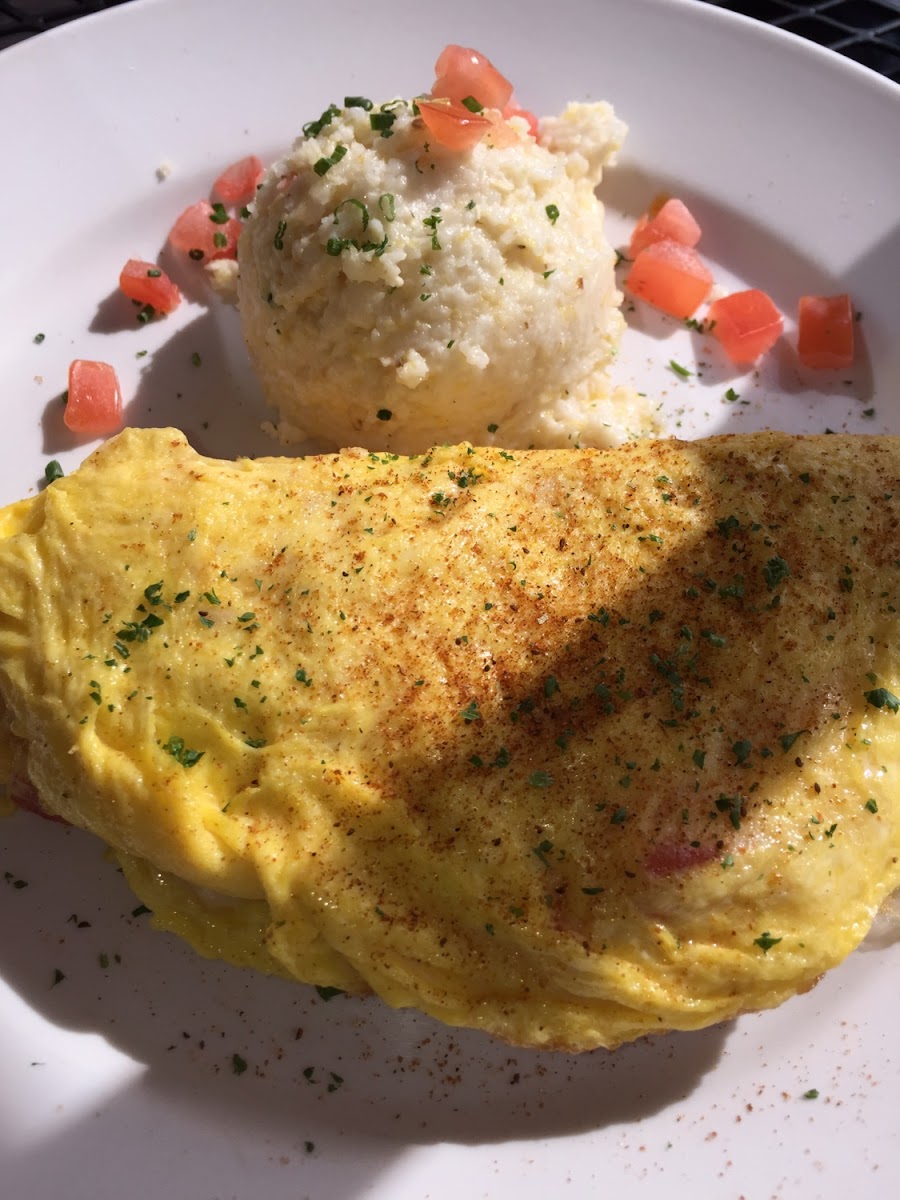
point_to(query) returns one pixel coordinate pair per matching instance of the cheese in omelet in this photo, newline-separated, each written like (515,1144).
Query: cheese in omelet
(569,746)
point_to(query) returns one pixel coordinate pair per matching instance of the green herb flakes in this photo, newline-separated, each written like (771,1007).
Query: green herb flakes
(329,993)
(765,941)
(882,698)
(181,753)
(542,850)
(775,572)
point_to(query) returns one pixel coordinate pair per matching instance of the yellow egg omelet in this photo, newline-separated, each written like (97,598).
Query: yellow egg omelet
(570,746)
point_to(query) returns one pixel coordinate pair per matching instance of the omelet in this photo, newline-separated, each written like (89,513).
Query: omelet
(569,746)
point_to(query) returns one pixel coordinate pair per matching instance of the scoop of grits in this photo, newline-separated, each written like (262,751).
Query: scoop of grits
(396,294)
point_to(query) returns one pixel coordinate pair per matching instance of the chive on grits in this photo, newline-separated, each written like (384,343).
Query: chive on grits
(395,292)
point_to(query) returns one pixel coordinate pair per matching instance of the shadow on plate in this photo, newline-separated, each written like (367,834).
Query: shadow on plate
(352,1064)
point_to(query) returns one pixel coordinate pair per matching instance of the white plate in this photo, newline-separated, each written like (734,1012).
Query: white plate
(119,1080)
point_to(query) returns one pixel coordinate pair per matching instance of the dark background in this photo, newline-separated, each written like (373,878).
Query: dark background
(865,30)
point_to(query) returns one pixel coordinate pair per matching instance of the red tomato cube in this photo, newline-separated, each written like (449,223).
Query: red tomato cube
(462,72)
(204,232)
(237,183)
(94,404)
(671,277)
(452,124)
(746,323)
(146,283)
(673,220)
(825,331)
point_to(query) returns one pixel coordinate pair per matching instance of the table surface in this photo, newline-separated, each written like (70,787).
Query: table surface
(865,30)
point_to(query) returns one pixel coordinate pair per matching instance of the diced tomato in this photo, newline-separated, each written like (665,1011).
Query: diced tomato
(825,331)
(452,124)
(673,220)
(204,233)
(237,183)
(462,72)
(746,323)
(513,109)
(671,277)
(94,404)
(146,283)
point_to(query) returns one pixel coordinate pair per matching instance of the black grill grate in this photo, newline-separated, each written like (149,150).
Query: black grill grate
(865,30)
(20,19)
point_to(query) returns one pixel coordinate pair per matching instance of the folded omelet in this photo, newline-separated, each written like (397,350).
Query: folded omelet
(569,746)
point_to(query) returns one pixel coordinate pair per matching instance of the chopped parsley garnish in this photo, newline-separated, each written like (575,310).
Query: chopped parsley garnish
(53,471)
(541,851)
(219,215)
(238,1064)
(38,338)
(541,779)
(181,753)
(787,739)
(733,806)
(872,805)
(139,631)
(432,223)
(765,942)
(329,993)
(775,571)
(470,713)
(882,698)
(552,213)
